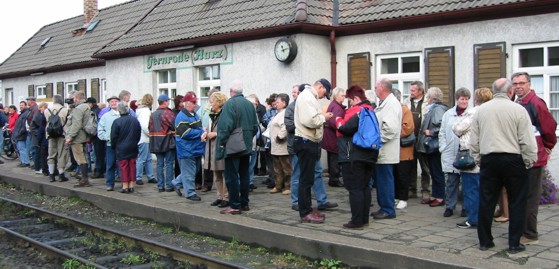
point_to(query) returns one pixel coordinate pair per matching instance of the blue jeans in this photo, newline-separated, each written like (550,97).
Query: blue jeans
(165,169)
(144,160)
(384,177)
(110,158)
(251,167)
(237,180)
(30,148)
(23,151)
(437,175)
(452,189)
(318,187)
(1,141)
(470,187)
(189,168)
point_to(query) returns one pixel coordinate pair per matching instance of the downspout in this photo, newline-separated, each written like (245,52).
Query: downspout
(333,63)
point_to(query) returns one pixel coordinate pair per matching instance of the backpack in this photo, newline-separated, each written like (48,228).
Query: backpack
(368,132)
(55,127)
(90,126)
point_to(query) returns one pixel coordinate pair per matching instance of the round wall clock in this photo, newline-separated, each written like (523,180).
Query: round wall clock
(285,50)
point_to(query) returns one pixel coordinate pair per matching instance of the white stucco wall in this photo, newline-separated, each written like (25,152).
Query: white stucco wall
(462,36)
(253,62)
(513,31)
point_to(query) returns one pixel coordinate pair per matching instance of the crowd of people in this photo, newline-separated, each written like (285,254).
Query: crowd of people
(508,134)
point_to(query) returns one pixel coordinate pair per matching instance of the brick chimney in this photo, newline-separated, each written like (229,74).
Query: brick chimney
(90,10)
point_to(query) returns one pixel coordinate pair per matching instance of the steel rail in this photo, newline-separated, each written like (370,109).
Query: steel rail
(160,248)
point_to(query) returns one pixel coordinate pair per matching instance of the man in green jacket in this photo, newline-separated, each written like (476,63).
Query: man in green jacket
(76,136)
(237,112)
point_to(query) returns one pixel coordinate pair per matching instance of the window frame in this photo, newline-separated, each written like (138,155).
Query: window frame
(38,89)
(401,78)
(546,71)
(211,83)
(67,85)
(168,88)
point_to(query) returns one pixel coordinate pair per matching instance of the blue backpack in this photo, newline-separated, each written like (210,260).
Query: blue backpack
(368,132)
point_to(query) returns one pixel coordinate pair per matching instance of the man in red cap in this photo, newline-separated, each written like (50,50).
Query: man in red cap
(190,147)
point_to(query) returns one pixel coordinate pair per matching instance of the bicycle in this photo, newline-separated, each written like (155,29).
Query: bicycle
(9,151)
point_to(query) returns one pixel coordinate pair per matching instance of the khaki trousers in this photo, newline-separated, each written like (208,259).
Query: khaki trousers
(58,153)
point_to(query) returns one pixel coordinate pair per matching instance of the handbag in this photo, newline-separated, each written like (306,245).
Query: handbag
(431,144)
(463,160)
(236,142)
(407,141)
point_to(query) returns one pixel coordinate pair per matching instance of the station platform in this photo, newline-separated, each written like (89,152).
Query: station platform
(419,237)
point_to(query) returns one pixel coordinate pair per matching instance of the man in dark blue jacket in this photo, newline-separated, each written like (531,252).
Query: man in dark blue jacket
(20,134)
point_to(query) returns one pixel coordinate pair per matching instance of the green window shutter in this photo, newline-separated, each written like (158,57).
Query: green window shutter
(439,71)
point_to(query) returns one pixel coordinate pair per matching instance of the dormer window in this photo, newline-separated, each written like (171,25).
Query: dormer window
(92,26)
(44,43)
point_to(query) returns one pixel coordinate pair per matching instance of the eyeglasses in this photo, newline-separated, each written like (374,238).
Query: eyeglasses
(520,83)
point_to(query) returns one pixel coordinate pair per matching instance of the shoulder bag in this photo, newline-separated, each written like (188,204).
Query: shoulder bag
(408,141)
(464,160)
(236,142)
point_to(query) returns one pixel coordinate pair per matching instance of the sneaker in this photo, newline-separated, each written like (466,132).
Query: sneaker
(466,225)
(274,190)
(402,205)
(152,181)
(286,192)
(38,172)
(527,241)
(448,212)
(139,182)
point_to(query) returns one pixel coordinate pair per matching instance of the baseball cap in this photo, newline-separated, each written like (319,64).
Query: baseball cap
(113,97)
(327,86)
(190,98)
(162,98)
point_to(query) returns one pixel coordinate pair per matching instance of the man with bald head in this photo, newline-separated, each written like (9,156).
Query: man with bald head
(504,147)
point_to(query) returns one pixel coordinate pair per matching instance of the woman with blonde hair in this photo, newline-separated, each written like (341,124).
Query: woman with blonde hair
(144,161)
(470,177)
(217,100)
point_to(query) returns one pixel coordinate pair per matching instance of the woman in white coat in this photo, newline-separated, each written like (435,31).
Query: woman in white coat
(448,146)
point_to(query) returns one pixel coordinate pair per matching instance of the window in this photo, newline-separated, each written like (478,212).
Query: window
(167,82)
(71,86)
(401,69)
(102,91)
(209,77)
(541,61)
(41,91)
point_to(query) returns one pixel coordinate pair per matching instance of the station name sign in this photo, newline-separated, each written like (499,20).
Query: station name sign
(188,58)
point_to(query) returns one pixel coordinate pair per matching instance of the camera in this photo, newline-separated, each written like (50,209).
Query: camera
(69,101)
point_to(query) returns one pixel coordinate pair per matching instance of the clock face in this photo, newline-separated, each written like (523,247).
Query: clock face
(282,50)
(285,50)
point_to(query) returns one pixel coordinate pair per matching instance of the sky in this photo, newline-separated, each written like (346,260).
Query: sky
(21,19)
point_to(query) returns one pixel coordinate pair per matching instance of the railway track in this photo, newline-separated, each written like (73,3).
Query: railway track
(79,243)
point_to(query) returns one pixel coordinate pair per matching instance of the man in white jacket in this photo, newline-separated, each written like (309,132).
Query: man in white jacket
(389,114)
